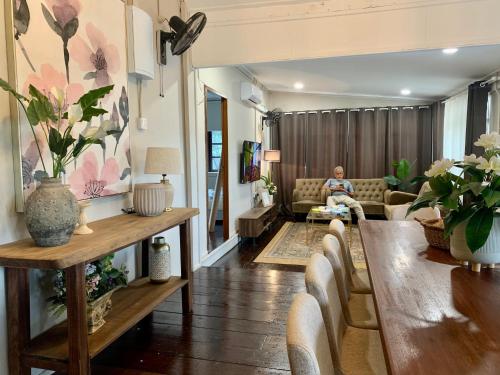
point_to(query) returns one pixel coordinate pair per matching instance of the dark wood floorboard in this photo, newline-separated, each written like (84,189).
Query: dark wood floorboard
(238,324)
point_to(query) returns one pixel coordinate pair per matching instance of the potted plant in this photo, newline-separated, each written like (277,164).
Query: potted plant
(400,180)
(472,200)
(51,212)
(269,186)
(101,281)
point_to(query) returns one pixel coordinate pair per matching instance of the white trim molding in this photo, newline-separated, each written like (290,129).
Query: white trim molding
(222,250)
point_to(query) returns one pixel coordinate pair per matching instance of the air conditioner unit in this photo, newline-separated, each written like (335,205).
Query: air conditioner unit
(251,94)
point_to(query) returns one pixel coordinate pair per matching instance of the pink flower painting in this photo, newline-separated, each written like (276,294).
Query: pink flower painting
(86,181)
(50,78)
(99,60)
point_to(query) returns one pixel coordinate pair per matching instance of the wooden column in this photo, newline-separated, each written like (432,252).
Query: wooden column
(186,266)
(18,318)
(79,361)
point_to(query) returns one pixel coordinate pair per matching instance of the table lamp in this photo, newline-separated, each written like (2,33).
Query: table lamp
(164,160)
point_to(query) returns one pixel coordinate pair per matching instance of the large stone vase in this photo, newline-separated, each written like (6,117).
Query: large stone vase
(488,254)
(51,213)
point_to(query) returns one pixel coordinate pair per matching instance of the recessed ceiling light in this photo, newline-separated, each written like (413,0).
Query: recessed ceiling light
(298,85)
(405,92)
(450,51)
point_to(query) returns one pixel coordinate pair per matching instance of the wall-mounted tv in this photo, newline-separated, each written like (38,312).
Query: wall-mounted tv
(250,162)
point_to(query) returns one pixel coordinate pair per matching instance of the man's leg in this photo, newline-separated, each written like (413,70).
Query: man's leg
(354,204)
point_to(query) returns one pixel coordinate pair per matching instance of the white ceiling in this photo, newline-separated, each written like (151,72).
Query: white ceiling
(428,74)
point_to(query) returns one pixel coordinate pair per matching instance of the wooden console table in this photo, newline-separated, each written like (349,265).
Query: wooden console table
(67,347)
(253,222)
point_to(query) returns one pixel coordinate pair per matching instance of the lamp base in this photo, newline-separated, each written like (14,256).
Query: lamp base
(169,194)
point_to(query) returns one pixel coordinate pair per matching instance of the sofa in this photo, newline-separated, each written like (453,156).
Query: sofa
(399,202)
(372,194)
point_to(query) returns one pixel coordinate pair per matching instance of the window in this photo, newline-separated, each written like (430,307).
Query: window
(214,150)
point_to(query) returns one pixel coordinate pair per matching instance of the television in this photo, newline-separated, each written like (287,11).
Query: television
(250,162)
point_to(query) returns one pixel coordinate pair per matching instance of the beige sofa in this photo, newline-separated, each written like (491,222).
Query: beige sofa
(372,193)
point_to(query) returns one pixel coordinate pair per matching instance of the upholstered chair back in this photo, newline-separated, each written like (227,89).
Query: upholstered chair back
(369,189)
(337,228)
(309,189)
(333,252)
(321,283)
(307,340)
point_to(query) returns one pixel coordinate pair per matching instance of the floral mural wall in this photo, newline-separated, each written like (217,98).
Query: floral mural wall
(70,47)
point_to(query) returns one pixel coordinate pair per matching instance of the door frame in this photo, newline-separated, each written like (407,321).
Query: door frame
(224,161)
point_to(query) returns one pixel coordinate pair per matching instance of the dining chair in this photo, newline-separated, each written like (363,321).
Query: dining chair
(359,278)
(357,350)
(359,309)
(306,338)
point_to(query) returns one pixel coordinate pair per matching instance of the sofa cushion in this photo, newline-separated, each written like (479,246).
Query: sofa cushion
(304,206)
(308,189)
(369,189)
(372,208)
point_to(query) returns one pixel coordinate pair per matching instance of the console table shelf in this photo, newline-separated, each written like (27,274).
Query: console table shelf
(67,347)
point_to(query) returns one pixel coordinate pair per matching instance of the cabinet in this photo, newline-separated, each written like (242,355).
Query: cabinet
(67,347)
(253,222)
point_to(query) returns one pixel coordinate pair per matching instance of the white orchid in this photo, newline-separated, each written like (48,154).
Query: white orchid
(488,141)
(471,159)
(440,167)
(75,114)
(490,165)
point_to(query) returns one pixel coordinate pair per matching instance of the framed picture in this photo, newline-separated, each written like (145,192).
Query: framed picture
(70,47)
(265,198)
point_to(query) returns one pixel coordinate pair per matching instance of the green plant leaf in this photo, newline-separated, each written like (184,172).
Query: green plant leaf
(5,86)
(491,197)
(475,187)
(91,98)
(43,106)
(456,217)
(441,186)
(418,179)
(403,169)
(392,180)
(451,201)
(55,141)
(423,201)
(90,112)
(475,175)
(32,115)
(478,228)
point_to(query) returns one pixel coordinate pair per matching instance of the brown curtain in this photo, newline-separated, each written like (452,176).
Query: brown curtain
(288,136)
(437,130)
(367,143)
(326,143)
(425,143)
(476,116)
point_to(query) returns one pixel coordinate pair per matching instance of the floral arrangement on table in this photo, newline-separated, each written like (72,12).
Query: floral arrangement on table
(471,197)
(101,278)
(269,185)
(50,117)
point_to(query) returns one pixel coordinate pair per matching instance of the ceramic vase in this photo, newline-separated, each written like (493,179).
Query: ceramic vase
(271,199)
(160,261)
(149,199)
(51,213)
(489,253)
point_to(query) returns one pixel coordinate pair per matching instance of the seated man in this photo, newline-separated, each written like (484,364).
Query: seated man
(341,191)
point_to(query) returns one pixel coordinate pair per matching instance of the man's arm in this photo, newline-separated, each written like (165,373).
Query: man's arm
(327,184)
(349,190)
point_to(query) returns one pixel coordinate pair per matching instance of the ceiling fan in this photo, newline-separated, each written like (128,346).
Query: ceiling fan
(182,34)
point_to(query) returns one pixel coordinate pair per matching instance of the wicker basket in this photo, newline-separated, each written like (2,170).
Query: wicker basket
(434,233)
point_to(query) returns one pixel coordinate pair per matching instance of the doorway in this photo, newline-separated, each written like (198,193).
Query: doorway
(216,123)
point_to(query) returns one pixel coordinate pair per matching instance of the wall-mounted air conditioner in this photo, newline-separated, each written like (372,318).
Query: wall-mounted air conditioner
(251,94)
(140,48)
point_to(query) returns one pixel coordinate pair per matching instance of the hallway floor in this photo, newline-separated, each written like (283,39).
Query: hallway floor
(238,325)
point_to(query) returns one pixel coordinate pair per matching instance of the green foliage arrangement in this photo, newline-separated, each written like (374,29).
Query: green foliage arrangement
(100,276)
(472,196)
(269,185)
(403,171)
(56,120)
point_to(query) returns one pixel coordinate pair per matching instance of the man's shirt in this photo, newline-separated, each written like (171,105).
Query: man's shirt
(333,183)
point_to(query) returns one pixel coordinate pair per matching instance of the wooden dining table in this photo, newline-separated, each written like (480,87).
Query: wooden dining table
(435,316)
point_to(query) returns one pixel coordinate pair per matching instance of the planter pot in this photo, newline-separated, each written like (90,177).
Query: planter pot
(489,253)
(97,310)
(149,199)
(51,213)
(271,199)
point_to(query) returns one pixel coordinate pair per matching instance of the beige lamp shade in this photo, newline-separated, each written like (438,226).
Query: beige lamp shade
(272,155)
(163,160)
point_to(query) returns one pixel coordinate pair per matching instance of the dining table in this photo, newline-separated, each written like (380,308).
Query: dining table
(435,316)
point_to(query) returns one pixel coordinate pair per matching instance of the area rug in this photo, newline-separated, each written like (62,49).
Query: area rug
(289,245)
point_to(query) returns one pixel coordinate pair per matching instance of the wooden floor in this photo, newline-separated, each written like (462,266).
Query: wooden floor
(237,327)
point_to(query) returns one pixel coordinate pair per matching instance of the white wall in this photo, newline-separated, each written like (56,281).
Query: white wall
(278,30)
(288,101)
(242,122)
(165,129)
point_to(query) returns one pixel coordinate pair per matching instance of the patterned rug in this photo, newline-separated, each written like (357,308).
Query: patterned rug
(290,246)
